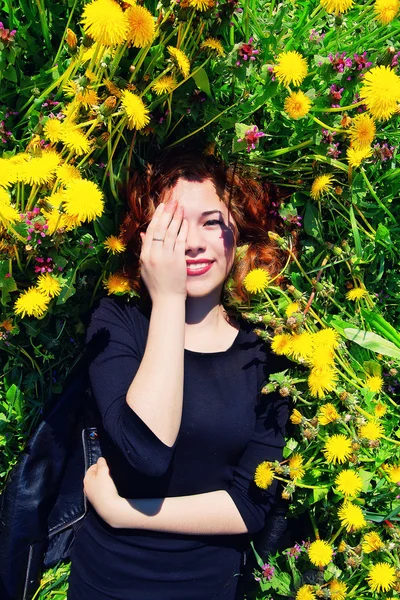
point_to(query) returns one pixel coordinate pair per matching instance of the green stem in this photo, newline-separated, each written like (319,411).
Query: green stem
(43,23)
(202,127)
(300,485)
(117,59)
(272,305)
(339,531)
(375,196)
(325,126)
(339,109)
(65,32)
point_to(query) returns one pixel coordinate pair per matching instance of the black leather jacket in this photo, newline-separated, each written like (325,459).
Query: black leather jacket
(42,505)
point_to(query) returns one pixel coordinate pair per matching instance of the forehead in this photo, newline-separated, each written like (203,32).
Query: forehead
(196,197)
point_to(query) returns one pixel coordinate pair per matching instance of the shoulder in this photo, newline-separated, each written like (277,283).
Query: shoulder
(117,312)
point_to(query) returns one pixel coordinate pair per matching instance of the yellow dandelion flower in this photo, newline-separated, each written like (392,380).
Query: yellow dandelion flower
(256,281)
(321,185)
(117,283)
(105,22)
(337,449)
(40,169)
(87,98)
(374,383)
(394,473)
(372,430)
(301,346)
(55,220)
(292,308)
(136,111)
(32,302)
(296,467)
(201,5)
(181,60)
(328,414)
(141,26)
(297,105)
(356,157)
(296,417)
(356,293)
(164,85)
(322,380)
(371,542)
(386,10)
(49,285)
(281,343)
(71,88)
(7,212)
(114,244)
(305,592)
(320,553)
(381,92)
(322,357)
(264,475)
(52,130)
(351,517)
(362,131)
(380,410)
(83,199)
(291,68)
(342,546)
(326,337)
(7,172)
(336,7)
(349,483)
(338,589)
(382,577)
(67,173)
(75,141)
(214,45)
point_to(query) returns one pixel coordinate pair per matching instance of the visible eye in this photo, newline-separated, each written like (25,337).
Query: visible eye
(213,222)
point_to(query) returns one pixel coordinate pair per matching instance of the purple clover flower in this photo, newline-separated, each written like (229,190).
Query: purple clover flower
(251,137)
(339,62)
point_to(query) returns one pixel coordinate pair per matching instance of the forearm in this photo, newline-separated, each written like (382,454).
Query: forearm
(156,392)
(212,513)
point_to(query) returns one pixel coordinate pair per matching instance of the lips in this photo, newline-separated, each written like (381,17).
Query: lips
(198,267)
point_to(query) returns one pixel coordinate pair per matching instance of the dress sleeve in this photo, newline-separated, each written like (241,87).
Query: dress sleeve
(114,355)
(266,444)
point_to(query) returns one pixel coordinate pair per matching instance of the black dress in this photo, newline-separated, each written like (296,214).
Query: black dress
(227,429)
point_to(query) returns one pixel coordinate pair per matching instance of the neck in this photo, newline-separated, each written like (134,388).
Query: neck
(205,313)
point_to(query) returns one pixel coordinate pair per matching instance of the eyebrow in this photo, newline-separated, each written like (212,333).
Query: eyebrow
(210,212)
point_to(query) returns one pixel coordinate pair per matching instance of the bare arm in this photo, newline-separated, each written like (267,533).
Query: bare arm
(211,513)
(156,392)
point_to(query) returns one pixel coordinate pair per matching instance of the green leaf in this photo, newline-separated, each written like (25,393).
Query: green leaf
(281,584)
(68,289)
(319,494)
(372,341)
(14,397)
(356,235)
(366,477)
(11,74)
(381,325)
(312,222)
(202,81)
(383,235)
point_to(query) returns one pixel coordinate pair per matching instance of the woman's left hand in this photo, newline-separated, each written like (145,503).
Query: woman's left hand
(101,492)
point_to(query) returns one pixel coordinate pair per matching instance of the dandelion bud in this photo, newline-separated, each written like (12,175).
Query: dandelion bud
(352,562)
(343,396)
(356,446)
(337,251)
(285,495)
(108,106)
(278,330)
(295,293)
(342,546)
(345,121)
(264,335)
(314,421)
(278,239)
(385,59)
(284,391)
(253,317)
(268,388)
(320,593)
(267,319)
(132,69)
(358,549)
(309,434)
(373,444)
(71,40)
(291,322)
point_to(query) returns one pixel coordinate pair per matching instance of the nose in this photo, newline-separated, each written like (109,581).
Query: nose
(194,239)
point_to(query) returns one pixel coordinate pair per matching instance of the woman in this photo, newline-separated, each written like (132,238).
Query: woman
(177,382)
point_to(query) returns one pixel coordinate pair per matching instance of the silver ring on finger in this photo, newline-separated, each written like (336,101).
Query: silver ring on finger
(158,240)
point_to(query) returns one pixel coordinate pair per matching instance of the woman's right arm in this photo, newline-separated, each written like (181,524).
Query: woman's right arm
(140,395)
(156,392)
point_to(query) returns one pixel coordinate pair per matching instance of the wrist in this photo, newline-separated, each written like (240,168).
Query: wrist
(124,516)
(174,301)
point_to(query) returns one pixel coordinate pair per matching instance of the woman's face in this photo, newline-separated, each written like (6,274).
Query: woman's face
(210,239)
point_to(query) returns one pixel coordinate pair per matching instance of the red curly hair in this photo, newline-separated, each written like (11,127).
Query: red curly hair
(252,203)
